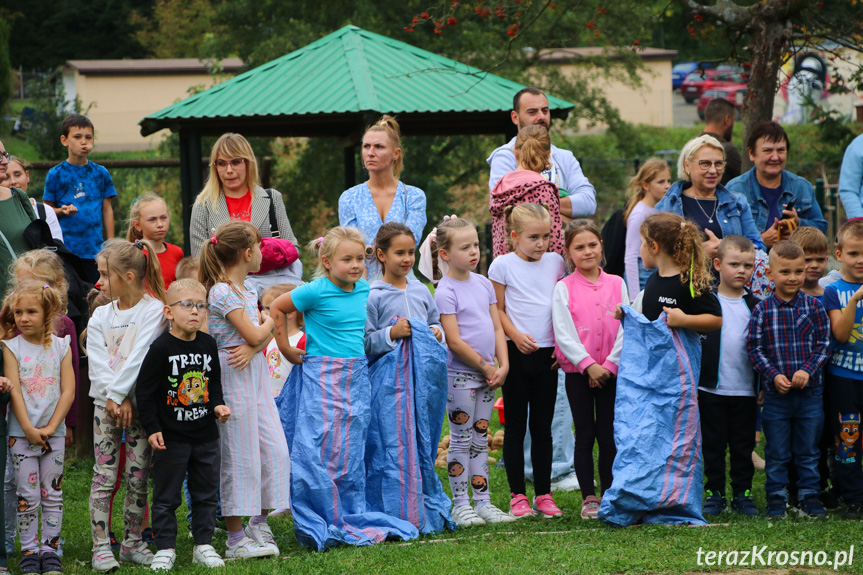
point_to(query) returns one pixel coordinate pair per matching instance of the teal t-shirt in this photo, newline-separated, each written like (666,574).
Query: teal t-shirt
(335,318)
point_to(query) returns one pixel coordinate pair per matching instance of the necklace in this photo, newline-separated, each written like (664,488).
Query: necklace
(711,216)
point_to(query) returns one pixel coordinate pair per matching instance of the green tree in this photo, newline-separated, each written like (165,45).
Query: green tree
(5,66)
(176,28)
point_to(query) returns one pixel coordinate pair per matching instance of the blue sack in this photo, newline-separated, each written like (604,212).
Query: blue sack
(657,470)
(409,389)
(325,411)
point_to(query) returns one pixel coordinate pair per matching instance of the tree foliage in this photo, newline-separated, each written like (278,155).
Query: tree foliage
(176,28)
(5,67)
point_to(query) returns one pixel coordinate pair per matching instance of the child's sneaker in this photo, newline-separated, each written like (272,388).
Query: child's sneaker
(51,564)
(465,516)
(491,514)
(714,503)
(104,560)
(852,511)
(830,499)
(590,507)
(776,506)
(745,504)
(263,536)
(810,506)
(163,560)
(115,545)
(207,556)
(246,548)
(519,506)
(568,483)
(29,563)
(139,554)
(544,505)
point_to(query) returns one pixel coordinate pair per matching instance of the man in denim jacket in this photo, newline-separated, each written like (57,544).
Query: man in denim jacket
(769,188)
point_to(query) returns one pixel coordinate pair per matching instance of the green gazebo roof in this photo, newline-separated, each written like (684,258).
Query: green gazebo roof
(346,79)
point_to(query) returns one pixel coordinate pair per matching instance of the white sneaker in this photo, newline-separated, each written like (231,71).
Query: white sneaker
(163,560)
(491,514)
(247,548)
(465,516)
(263,536)
(568,483)
(104,560)
(140,554)
(206,555)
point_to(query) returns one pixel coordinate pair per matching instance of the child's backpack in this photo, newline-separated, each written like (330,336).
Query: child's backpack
(614,244)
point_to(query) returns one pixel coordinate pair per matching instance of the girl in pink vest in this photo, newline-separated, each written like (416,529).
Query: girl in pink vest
(587,344)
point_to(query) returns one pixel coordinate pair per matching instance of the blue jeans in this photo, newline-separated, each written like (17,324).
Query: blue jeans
(792,425)
(562,437)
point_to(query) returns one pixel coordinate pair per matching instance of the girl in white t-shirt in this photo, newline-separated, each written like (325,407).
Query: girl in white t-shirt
(524,281)
(278,367)
(39,364)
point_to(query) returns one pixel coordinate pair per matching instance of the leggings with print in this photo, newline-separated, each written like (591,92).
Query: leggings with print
(468,406)
(39,473)
(107,436)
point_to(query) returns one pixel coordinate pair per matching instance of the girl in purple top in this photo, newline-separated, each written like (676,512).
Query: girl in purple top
(474,336)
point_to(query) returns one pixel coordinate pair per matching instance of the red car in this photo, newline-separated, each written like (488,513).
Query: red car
(697,82)
(734,93)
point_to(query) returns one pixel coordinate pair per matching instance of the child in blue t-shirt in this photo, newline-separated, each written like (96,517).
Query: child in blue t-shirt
(842,300)
(80,192)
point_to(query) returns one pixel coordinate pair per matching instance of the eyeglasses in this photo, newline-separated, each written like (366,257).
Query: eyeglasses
(188,305)
(6,155)
(705,165)
(235,163)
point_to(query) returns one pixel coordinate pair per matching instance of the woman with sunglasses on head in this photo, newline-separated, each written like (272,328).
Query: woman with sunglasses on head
(700,197)
(233,192)
(383,197)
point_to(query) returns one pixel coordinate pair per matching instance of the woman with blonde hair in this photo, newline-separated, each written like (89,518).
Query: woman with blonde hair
(383,197)
(233,192)
(699,196)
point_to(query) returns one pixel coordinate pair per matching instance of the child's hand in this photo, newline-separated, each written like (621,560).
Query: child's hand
(70,436)
(498,377)
(125,413)
(782,384)
(437,333)
(676,316)
(293,354)
(858,295)
(265,315)
(402,328)
(597,373)
(34,436)
(760,400)
(800,379)
(68,210)
(556,364)
(618,312)
(156,441)
(5,384)
(524,342)
(111,408)
(488,370)
(240,357)
(223,413)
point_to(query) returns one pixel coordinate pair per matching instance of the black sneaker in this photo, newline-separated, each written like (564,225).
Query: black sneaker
(29,563)
(51,564)
(830,499)
(148,537)
(852,511)
(810,506)
(115,545)
(776,506)
(714,503)
(745,504)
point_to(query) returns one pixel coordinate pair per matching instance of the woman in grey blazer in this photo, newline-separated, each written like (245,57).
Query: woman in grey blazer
(233,192)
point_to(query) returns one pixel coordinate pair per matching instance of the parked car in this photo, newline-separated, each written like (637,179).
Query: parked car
(682,69)
(697,82)
(735,94)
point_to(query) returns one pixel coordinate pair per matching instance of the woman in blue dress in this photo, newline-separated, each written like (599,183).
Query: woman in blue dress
(383,198)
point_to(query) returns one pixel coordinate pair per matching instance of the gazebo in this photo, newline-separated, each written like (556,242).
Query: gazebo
(335,87)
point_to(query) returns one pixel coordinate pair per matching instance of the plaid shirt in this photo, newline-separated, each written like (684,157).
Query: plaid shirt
(787,336)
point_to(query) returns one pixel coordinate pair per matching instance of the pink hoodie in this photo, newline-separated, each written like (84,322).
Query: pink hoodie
(520,187)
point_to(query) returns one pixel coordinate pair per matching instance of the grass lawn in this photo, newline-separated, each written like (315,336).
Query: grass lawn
(566,545)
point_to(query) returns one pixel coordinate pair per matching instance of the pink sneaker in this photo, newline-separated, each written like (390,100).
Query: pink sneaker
(544,504)
(519,506)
